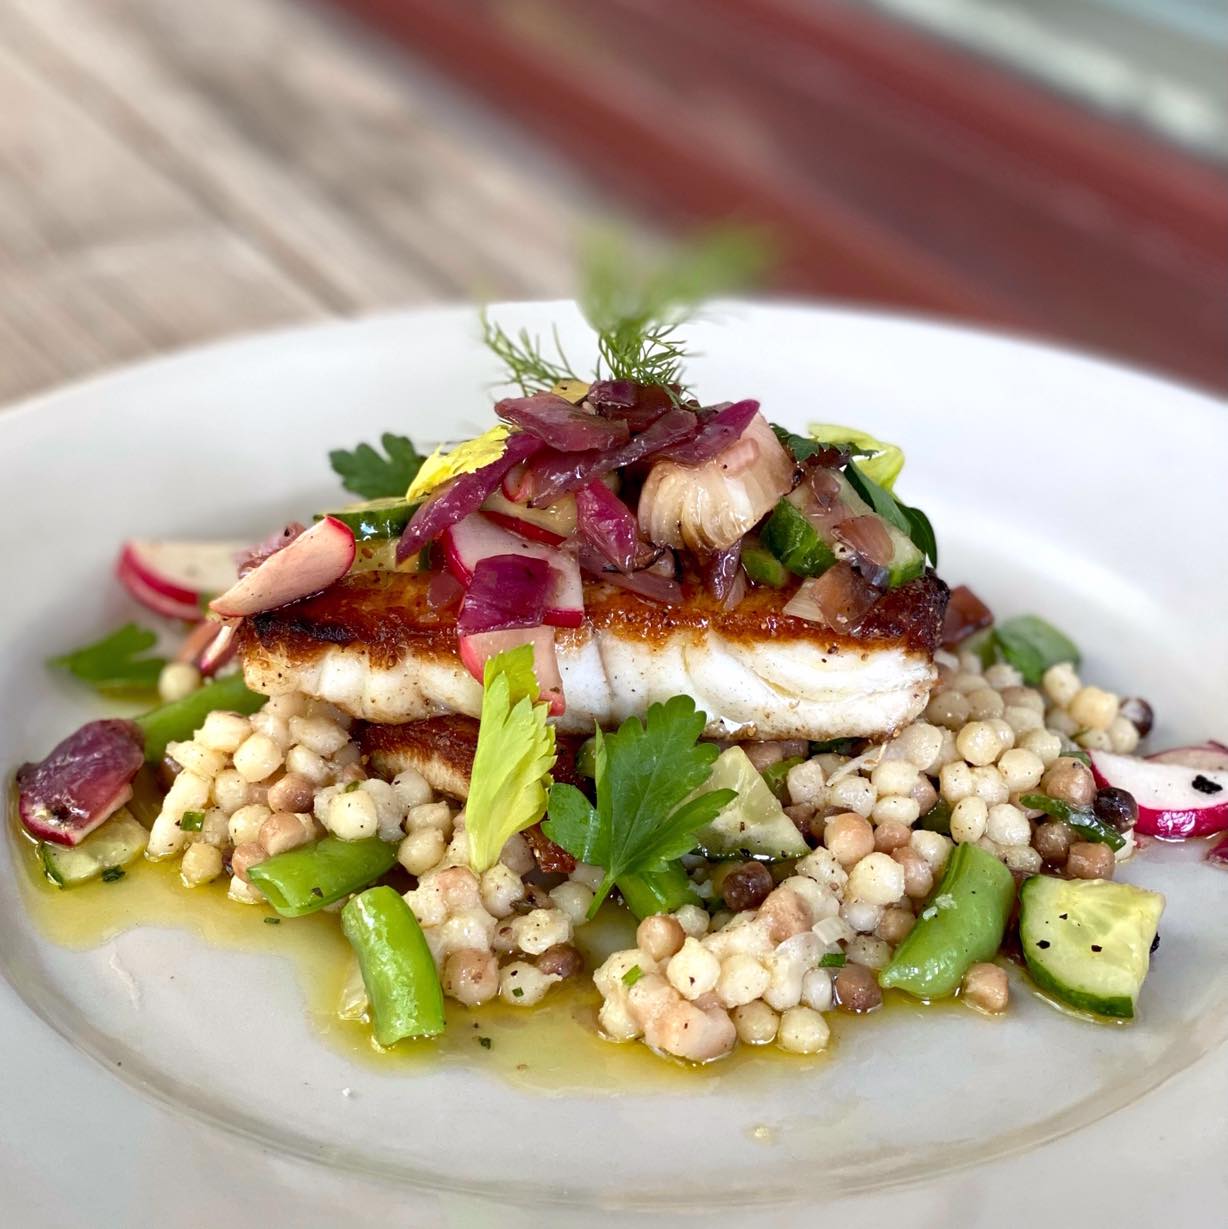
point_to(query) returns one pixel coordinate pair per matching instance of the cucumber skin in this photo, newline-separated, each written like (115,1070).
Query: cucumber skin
(375,519)
(795,542)
(763,568)
(1114,1007)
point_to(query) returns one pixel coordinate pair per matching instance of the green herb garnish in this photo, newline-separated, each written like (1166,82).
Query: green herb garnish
(1032,645)
(524,364)
(113,874)
(116,662)
(776,776)
(632,975)
(365,472)
(833,960)
(272,921)
(937,819)
(835,746)
(644,817)
(192,821)
(485,1042)
(636,308)
(910,521)
(1083,820)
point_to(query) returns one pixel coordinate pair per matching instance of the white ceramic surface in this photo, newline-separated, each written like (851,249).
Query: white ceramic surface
(1057,484)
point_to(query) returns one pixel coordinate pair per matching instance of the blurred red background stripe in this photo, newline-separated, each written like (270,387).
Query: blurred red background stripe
(892,168)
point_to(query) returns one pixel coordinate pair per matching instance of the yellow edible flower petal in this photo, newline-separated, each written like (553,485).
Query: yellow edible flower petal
(441,467)
(884,467)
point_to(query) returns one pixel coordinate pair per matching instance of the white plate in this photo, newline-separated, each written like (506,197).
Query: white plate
(186,1080)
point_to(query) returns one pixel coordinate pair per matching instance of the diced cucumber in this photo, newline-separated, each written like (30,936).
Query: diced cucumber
(377,518)
(776,776)
(754,824)
(794,540)
(907,562)
(1088,941)
(764,568)
(807,550)
(114,845)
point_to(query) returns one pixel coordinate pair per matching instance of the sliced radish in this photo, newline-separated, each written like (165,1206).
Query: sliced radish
(221,650)
(209,645)
(1174,800)
(476,538)
(313,561)
(526,529)
(171,578)
(84,781)
(550,524)
(477,649)
(1210,756)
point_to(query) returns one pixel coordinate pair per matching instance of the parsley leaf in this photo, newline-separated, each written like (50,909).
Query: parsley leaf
(644,815)
(910,521)
(365,472)
(1032,645)
(115,663)
(514,756)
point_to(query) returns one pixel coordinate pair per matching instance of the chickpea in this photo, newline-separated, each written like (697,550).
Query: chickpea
(894,925)
(1070,781)
(856,989)
(244,858)
(471,976)
(891,835)
(291,793)
(562,960)
(285,830)
(660,937)
(849,837)
(747,886)
(1090,861)
(986,988)
(918,874)
(1052,841)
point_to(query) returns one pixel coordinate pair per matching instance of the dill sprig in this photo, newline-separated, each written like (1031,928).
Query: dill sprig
(636,308)
(524,363)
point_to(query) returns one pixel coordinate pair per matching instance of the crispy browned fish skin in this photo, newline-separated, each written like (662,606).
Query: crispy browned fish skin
(374,646)
(388,614)
(442,750)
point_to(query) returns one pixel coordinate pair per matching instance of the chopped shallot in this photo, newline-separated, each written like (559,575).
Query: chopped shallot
(707,507)
(607,525)
(838,599)
(505,591)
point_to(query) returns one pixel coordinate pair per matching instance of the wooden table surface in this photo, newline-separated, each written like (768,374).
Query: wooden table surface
(172,172)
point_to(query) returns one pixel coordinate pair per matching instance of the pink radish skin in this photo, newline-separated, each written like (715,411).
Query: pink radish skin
(221,650)
(476,538)
(171,578)
(1168,803)
(477,649)
(312,562)
(1204,757)
(526,529)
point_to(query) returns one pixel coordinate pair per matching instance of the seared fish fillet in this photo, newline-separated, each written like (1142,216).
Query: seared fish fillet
(372,645)
(442,750)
